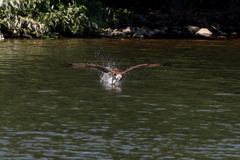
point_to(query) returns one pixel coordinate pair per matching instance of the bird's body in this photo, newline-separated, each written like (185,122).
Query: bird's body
(117,74)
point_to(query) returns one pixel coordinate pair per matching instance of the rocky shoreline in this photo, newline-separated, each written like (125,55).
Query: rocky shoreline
(164,32)
(144,27)
(194,25)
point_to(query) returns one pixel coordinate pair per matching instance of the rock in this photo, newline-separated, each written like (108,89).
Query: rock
(118,33)
(138,36)
(220,37)
(217,31)
(110,35)
(145,32)
(163,28)
(108,30)
(129,30)
(233,34)
(224,34)
(106,33)
(177,32)
(204,32)
(1,37)
(191,29)
(159,31)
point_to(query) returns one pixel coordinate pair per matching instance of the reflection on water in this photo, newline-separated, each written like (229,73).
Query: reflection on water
(185,111)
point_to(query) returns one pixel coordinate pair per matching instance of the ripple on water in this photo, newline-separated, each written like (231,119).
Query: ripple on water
(123,96)
(198,122)
(224,94)
(204,110)
(160,109)
(46,91)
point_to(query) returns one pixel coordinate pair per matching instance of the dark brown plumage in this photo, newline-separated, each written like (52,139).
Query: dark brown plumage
(117,74)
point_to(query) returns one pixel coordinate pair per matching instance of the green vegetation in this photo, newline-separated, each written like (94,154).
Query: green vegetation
(48,18)
(54,18)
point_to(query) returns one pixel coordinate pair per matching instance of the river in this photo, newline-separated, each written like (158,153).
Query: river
(189,110)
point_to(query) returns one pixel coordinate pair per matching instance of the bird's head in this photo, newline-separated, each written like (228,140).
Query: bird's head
(118,77)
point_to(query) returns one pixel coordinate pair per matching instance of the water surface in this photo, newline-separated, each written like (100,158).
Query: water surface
(189,110)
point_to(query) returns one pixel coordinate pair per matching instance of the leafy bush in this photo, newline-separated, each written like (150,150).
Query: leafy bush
(37,18)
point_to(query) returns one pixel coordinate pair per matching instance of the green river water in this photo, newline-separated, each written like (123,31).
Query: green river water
(189,110)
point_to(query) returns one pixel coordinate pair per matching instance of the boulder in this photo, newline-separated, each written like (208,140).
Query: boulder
(191,29)
(1,36)
(129,30)
(204,32)
(159,31)
(143,32)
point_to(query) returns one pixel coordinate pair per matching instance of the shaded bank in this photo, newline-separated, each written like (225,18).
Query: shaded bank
(217,19)
(126,19)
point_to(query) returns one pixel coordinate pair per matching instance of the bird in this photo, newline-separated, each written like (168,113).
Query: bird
(117,74)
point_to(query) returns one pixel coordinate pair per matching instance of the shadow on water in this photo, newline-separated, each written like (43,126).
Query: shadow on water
(185,111)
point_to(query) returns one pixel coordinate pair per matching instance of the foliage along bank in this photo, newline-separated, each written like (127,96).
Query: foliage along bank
(54,18)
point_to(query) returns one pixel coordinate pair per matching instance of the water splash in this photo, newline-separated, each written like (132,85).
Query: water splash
(107,78)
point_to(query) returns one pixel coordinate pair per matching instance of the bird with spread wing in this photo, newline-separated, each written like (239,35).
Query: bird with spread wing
(117,74)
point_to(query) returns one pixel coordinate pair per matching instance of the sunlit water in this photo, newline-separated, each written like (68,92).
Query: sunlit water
(189,110)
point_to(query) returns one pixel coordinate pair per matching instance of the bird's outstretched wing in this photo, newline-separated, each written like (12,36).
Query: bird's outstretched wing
(145,65)
(86,65)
